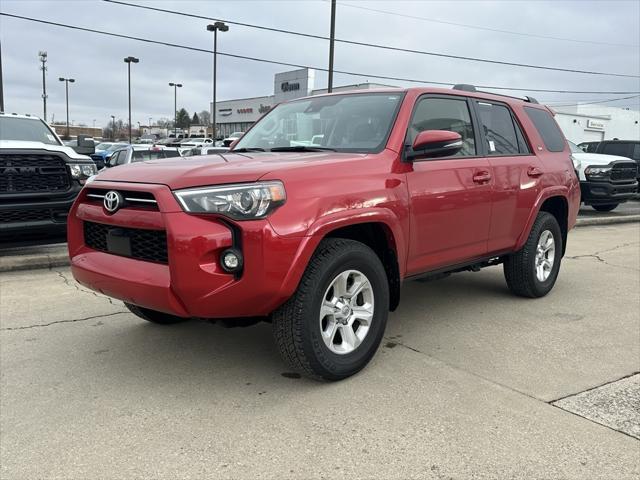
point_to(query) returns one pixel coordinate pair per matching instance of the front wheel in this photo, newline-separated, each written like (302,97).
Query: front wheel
(332,326)
(532,271)
(605,208)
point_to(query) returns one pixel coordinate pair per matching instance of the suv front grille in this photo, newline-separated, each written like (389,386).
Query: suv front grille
(32,173)
(624,171)
(148,245)
(132,198)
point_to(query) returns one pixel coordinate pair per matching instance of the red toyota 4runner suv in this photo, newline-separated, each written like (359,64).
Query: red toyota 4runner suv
(321,210)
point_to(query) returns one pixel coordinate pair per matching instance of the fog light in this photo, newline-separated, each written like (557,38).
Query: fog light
(231,260)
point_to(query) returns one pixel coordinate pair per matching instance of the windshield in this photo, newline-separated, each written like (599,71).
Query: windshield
(143,155)
(116,146)
(344,123)
(574,148)
(27,130)
(103,146)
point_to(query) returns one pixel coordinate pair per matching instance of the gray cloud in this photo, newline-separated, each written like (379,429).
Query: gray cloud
(96,62)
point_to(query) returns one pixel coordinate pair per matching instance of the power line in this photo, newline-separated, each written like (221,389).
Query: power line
(489,29)
(295,65)
(555,104)
(374,45)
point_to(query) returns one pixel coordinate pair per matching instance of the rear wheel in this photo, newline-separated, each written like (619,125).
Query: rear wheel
(532,272)
(154,316)
(333,324)
(605,208)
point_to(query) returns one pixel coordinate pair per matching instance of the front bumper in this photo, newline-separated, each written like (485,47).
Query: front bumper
(20,220)
(192,283)
(602,193)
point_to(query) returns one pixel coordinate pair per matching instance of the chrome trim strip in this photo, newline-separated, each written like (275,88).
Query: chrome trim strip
(142,200)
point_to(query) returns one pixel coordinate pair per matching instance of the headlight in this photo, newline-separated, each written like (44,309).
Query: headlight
(82,171)
(597,171)
(244,201)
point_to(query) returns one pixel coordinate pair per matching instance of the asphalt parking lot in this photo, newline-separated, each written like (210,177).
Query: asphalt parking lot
(470,382)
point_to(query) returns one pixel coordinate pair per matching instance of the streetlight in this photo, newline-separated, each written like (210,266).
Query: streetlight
(175,86)
(214,28)
(67,81)
(113,129)
(129,61)
(43,60)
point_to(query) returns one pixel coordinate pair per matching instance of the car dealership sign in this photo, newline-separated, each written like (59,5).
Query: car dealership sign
(293,84)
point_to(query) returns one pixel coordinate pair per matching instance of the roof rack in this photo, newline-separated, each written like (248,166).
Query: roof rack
(465,87)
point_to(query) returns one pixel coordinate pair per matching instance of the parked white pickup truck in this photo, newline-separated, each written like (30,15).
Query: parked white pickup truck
(606,181)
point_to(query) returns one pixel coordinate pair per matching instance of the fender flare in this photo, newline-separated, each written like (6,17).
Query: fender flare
(545,194)
(328,223)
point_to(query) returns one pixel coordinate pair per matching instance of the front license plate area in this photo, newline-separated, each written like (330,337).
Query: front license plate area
(118,242)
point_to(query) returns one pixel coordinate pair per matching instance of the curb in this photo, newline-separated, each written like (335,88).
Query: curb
(15,262)
(587,222)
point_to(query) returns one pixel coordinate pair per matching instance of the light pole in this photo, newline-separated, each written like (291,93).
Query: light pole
(113,129)
(332,38)
(129,61)
(43,59)
(175,86)
(214,28)
(139,130)
(67,81)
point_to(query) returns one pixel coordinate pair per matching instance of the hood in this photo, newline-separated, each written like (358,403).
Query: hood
(186,172)
(22,145)
(587,159)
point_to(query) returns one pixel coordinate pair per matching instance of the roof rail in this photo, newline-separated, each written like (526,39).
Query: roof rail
(465,87)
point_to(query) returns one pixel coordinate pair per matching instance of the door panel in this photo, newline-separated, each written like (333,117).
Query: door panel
(450,212)
(514,192)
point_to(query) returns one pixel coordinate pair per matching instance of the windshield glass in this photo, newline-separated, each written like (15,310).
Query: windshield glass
(574,148)
(143,155)
(26,129)
(103,146)
(116,146)
(344,123)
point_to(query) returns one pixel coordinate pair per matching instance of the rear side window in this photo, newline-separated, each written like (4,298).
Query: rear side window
(547,128)
(502,134)
(620,149)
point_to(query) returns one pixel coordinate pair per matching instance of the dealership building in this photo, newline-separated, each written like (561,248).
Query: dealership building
(590,123)
(238,115)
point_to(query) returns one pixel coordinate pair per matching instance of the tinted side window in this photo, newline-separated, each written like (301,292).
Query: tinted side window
(620,149)
(547,128)
(636,151)
(444,114)
(499,130)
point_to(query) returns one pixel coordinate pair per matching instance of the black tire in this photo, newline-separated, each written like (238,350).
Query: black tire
(154,316)
(520,267)
(296,324)
(605,208)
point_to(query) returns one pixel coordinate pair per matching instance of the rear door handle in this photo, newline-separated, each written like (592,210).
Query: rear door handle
(534,172)
(481,177)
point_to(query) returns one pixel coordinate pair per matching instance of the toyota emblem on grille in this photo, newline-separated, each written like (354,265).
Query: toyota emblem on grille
(112,201)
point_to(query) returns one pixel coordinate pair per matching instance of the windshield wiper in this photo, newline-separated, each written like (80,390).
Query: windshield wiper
(245,150)
(302,148)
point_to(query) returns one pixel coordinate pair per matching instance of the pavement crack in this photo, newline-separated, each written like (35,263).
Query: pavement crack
(38,325)
(598,257)
(73,284)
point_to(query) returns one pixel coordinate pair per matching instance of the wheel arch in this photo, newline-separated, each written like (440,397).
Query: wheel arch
(555,202)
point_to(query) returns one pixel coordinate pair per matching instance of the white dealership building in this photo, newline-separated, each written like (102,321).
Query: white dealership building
(238,115)
(593,123)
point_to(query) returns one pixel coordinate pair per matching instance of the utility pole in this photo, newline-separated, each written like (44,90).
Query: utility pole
(223,27)
(1,84)
(43,59)
(332,39)
(175,107)
(67,81)
(113,129)
(129,61)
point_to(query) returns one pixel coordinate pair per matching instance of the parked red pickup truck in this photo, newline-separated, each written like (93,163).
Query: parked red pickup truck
(324,207)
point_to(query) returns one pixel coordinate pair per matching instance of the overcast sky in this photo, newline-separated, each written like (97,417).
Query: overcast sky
(96,61)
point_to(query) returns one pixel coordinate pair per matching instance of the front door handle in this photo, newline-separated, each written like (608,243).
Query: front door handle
(481,177)
(534,172)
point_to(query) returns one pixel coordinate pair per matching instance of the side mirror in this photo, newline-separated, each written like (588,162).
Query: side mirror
(86,145)
(107,160)
(233,144)
(435,143)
